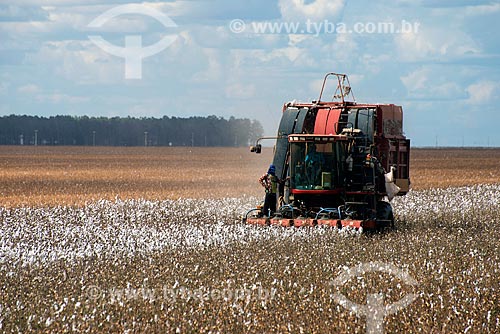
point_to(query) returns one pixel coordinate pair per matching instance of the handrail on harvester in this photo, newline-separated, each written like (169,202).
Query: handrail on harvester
(342,89)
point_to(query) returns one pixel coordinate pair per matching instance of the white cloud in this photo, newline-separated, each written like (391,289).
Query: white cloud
(344,47)
(57,98)
(214,70)
(316,10)
(39,95)
(447,90)
(277,58)
(222,70)
(433,83)
(471,9)
(29,89)
(68,2)
(152,107)
(79,61)
(22,13)
(416,80)
(211,11)
(297,39)
(34,94)
(4,87)
(290,53)
(220,37)
(240,91)
(356,79)
(488,9)
(432,43)
(483,92)
(73,21)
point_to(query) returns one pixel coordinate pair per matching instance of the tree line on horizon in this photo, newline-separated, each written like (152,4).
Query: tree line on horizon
(128,131)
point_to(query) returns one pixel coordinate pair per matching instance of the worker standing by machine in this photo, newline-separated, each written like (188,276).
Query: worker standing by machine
(270,183)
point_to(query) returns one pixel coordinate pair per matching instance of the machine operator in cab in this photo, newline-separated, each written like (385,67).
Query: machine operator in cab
(314,164)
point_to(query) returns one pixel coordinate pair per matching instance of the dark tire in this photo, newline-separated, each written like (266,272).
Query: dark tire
(384,212)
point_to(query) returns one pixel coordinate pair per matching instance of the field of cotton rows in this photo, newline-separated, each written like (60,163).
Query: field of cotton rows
(130,240)
(190,266)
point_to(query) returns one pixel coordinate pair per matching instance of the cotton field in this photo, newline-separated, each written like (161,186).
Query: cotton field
(127,228)
(189,265)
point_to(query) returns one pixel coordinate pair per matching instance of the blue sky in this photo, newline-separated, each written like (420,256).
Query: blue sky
(445,73)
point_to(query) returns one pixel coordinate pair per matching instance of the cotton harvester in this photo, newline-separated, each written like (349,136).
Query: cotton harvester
(340,163)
